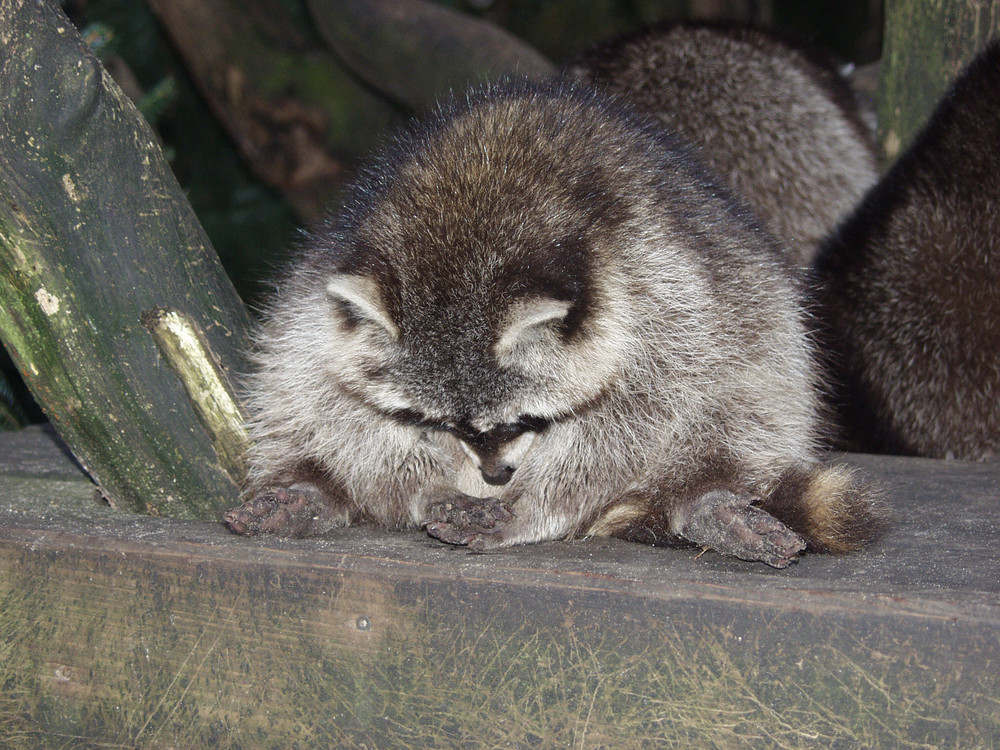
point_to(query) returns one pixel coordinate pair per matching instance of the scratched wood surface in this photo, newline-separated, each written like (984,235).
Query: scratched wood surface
(119,630)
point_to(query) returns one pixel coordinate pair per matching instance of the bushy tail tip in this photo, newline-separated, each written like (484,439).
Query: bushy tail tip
(832,507)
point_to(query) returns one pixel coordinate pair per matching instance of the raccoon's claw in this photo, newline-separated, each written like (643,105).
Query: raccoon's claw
(283,511)
(729,524)
(474,522)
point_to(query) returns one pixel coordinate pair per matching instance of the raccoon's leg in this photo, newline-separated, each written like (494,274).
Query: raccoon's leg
(306,506)
(476,522)
(728,523)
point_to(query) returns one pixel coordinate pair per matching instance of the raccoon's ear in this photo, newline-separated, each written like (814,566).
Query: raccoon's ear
(528,317)
(361,302)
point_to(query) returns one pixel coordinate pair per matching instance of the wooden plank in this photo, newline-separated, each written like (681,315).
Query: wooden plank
(118,630)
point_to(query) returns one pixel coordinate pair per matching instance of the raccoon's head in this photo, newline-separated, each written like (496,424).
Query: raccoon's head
(493,377)
(473,286)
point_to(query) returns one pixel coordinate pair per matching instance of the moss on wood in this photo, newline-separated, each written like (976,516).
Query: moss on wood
(925,46)
(93,231)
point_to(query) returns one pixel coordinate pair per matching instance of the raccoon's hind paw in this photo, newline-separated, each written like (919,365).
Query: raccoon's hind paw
(300,510)
(727,523)
(475,522)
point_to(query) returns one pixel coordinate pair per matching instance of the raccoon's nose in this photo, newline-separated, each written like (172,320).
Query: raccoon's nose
(497,475)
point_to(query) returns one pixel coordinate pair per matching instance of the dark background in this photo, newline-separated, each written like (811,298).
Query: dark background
(251,223)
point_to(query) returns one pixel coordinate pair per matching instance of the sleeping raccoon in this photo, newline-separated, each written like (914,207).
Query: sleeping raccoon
(778,123)
(911,287)
(537,318)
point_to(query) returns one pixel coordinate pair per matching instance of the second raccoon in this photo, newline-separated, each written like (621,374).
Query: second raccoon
(775,120)
(909,303)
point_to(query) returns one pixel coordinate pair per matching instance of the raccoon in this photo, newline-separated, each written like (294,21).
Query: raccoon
(776,121)
(536,318)
(910,288)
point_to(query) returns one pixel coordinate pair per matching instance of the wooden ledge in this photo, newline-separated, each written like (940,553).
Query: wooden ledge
(132,631)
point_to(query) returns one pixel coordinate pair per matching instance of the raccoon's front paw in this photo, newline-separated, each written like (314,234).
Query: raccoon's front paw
(300,510)
(476,522)
(729,524)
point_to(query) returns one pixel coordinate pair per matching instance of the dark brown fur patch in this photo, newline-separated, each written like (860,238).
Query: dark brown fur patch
(909,288)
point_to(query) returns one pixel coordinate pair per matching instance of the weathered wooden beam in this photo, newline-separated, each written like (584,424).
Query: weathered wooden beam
(95,232)
(123,631)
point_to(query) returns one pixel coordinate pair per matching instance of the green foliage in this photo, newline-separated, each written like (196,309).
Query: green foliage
(99,37)
(12,415)
(158,99)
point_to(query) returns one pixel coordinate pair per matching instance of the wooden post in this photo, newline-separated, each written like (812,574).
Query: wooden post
(925,46)
(95,232)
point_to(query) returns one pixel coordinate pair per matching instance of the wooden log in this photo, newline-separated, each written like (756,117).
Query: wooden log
(298,118)
(925,46)
(141,632)
(95,232)
(416,51)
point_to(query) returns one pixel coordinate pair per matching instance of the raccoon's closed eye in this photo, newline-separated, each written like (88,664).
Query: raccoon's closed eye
(416,418)
(523,424)
(502,433)
(533,424)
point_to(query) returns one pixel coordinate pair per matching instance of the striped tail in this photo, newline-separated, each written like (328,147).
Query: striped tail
(831,507)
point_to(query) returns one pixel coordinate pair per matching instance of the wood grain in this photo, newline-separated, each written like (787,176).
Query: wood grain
(128,631)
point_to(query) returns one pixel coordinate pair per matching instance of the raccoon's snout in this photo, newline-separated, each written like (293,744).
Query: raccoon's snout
(497,475)
(498,452)
(494,470)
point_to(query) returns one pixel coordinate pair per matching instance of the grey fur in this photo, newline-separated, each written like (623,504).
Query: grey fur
(911,287)
(776,121)
(537,318)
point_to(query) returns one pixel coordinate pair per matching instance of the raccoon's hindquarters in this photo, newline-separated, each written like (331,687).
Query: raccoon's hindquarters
(908,288)
(778,123)
(817,508)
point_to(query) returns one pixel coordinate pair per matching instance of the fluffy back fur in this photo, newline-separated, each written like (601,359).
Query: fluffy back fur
(776,121)
(535,318)
(911,287)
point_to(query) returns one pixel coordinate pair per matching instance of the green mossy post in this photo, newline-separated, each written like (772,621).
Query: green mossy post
(95,232)
(925,46)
